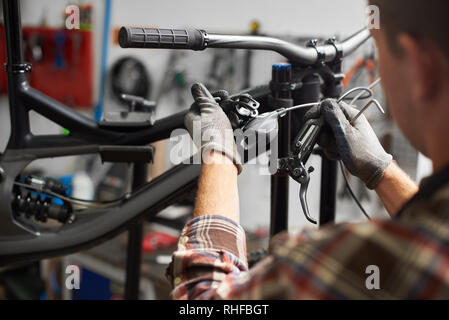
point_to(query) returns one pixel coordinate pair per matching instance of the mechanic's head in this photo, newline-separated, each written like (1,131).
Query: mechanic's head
(413,47)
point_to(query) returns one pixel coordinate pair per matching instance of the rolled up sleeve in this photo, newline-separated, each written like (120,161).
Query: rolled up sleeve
(210,249)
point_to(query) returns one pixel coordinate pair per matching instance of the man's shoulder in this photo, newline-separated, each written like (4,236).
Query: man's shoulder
(343,236)
(342,257)
(394,236)
(429,214)
(407,255)
(424,220)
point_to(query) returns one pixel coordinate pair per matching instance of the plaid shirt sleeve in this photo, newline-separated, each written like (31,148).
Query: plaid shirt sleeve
(330,263)
(210,250)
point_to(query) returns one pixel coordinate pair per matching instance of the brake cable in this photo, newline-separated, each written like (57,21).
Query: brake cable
(283,111)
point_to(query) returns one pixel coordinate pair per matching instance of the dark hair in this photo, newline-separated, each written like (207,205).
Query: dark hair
(421,19)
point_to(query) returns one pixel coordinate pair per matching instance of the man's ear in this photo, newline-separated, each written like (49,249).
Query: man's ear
(422,59)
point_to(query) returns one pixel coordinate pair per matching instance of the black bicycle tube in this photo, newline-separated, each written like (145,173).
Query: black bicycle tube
(281,97)
(328,191)
(164,190)
(135,236)
(13,38)
(332,89)
(87,130)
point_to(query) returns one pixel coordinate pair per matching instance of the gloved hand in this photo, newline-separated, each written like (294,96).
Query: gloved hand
(209,120)
(357,145)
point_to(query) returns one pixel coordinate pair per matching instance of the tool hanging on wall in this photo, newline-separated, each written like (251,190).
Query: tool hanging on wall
(60,40)
(59,58)
(175,79)
(130,76)
(367,63)
(35,45)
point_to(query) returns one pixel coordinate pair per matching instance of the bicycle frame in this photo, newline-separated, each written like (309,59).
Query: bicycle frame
(22,240)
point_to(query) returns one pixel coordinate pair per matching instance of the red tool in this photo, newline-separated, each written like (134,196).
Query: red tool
(157,240)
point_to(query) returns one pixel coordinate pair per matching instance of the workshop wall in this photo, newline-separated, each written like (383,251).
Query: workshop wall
(296,18)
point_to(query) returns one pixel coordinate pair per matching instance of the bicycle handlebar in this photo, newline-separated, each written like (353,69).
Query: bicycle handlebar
(194,39)
(130,37)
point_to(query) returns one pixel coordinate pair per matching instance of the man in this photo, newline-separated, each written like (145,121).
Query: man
(410,252)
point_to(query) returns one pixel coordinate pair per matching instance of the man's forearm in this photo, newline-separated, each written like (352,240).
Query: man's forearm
(212,246)
(395,188)
(218,190)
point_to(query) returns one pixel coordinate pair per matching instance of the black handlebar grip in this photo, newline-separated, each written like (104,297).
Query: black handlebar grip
(134,37)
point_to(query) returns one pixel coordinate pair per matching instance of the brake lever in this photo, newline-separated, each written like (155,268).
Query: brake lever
(294,164)
(303,180)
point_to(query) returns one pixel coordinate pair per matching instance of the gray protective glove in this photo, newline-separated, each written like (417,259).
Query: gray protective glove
(357,145)
(213,130)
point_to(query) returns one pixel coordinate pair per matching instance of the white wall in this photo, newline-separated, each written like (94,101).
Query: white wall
(297,17)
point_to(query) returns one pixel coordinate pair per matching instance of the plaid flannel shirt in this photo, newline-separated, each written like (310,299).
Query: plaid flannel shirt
(411,252)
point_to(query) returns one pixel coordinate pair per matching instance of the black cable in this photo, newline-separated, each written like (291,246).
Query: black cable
(103,202)
(351,192)
(82,202)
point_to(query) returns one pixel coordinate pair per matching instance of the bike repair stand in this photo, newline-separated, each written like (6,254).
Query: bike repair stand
(281,97)
(295,85)
(140,112)
(135,236)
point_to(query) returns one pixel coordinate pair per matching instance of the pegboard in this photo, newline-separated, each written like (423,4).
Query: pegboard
(62,63)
